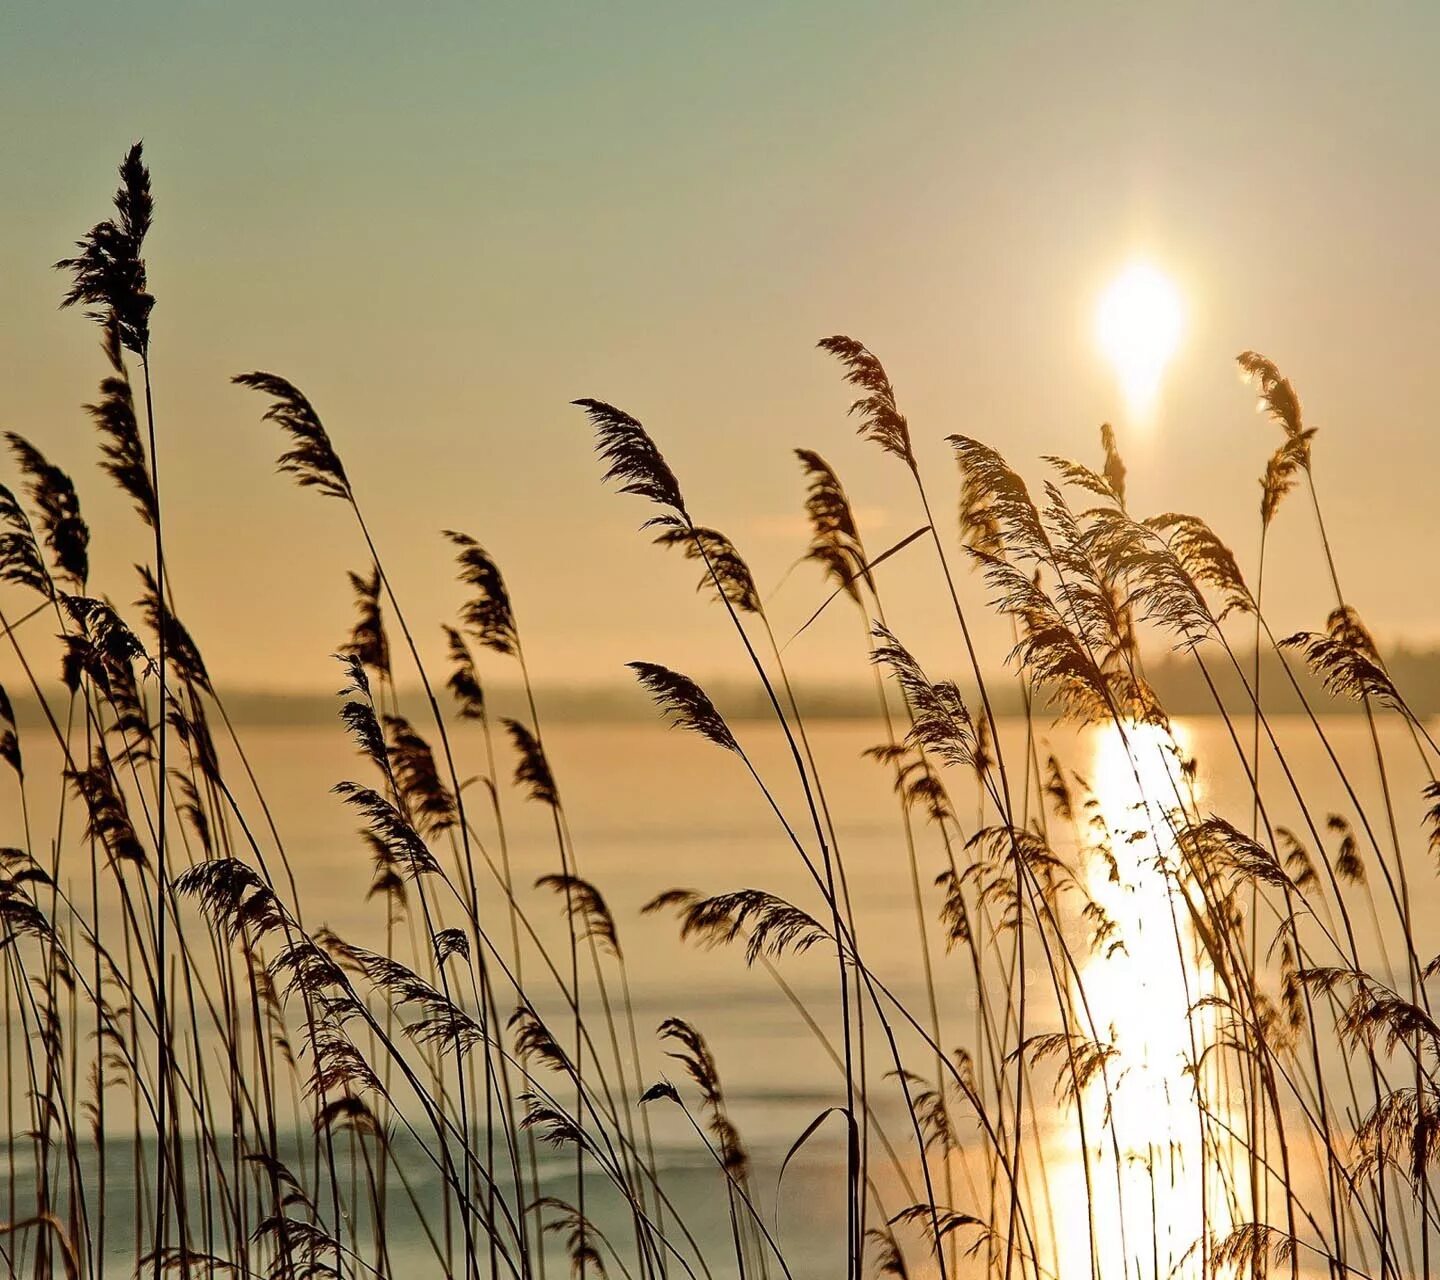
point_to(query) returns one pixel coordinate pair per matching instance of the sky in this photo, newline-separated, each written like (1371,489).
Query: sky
(446,221)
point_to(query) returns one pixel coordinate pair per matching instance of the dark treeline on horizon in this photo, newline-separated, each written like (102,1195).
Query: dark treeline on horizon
(1176,679)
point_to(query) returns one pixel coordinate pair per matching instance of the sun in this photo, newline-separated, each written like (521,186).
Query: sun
(1138,324)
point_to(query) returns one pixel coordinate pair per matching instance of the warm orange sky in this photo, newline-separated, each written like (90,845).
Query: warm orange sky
(444,222)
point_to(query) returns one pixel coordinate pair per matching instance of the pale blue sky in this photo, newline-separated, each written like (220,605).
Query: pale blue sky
(445,221)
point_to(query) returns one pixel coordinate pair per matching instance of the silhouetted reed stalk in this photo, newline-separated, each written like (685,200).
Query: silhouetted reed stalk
(1111,491)
(727,573)
(490,619)
(687,706)
(1320,845)
(837,546)
(1281,399)
(109,274)
(730,577)
(465,684)
(1099,486)
(314,463)
(882,422)
(62,740)
(601,1108)
(634,460)
(1214,563)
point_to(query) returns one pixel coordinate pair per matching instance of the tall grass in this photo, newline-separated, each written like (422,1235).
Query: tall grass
(263,1097)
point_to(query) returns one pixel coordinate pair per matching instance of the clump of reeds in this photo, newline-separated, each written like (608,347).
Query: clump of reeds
(271,1099)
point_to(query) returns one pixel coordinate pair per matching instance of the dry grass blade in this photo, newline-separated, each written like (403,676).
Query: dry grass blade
(940,721)
(1251,1247)
(862,572)
(533,1041)
(487,613)
(412,765)
(1278,397)
(20,559)
(9,735)
(694,1054)
(121,447)
(1217,845)
(769,925)
(725,569)
(234,896)
(108,819)
(182,653)
(368,642)
(578,1232)
(358,715)
(835,543)
(108,273)
(631,456)
(391,828)
(994,488)
(684,704)
(61,524)
(311,459)
(1347,661)
(532,773)
(878,411)
(588,910)
(464,680)
(1205,559)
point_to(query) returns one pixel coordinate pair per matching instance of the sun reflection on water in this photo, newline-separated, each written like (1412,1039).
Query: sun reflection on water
(1155,1180)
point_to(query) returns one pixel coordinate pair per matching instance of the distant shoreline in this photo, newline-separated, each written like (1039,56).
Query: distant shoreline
(1178,682)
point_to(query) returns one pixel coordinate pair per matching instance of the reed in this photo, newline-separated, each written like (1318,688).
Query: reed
(205,1080)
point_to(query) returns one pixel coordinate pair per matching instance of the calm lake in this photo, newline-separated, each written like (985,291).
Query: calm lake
(651,810)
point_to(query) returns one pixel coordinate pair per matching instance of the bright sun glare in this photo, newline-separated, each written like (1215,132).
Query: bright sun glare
(1138,324)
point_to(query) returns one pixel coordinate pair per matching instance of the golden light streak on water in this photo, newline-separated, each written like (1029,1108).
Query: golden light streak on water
(1152,1188)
